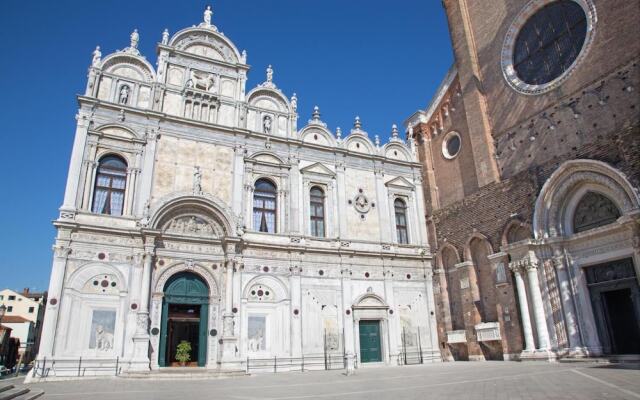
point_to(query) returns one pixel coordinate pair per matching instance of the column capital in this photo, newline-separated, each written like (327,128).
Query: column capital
(295,270)
(61,250)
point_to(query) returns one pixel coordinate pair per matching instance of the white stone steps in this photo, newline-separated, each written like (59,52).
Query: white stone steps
(13,393)
(5,388)
(183,373)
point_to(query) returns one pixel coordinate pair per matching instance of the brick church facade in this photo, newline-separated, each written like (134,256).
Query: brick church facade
(531,159)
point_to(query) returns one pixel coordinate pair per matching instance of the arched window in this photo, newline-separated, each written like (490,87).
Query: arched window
(111,180)
(401,221)
(316,205)
(264,206)
(594,210)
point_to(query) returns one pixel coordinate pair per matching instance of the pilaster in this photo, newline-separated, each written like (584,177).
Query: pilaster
(61,251)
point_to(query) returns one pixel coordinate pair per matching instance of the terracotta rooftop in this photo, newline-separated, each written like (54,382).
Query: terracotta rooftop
(13,319)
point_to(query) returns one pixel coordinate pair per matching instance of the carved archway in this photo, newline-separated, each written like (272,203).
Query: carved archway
(559,197)
(197,269)
(194,215)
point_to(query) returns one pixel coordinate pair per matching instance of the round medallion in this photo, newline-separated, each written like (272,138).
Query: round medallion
(53,302)
(213,332)
(361,203)
(155,331)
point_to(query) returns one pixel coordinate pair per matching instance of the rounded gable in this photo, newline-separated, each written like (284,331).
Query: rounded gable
(359,143)
(129,66)
(206,42)
(317,134)
(396,151)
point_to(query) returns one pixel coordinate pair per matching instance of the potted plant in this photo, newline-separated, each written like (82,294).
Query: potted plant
(183,352)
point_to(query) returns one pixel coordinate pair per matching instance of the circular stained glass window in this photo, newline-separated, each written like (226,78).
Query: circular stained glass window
(549,42)
(545,43)
(451,145)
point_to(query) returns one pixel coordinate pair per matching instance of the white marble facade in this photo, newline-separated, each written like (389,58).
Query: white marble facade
(194,144)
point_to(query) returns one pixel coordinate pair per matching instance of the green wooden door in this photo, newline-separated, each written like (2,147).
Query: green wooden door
(370,350)
(185,288)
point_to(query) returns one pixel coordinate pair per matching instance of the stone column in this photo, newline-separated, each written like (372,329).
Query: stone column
(295,190)
(342,200)
(71,200)
(347,315)
(382,204)
(61,251)
(146,173)
(421,212)
(569,311)
(131,190)
(143,314)
(538,306)
(524,307)
(131,315)
(128,191)
(141,338)
(431,317)
(296,322)
(394,325)
(238,179)
(229,340)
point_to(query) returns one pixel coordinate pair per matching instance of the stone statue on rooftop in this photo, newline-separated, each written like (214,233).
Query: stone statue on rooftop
(207,16)
(135,38)
(97,55)
(269,74)
(165,36)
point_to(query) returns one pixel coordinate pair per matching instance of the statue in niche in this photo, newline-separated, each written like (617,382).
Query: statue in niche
(266,124)
(124,94)
(135,38)
(197,180)
(191,225)
(165,36)
(294,102)
(104,340)
(97,55)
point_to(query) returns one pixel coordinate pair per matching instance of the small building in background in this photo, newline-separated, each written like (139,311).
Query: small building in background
(24,316)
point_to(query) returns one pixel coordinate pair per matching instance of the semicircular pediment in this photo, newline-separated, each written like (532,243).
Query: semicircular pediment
(196,40)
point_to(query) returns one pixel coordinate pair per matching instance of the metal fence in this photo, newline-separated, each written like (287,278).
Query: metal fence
(304,363)
(76,367)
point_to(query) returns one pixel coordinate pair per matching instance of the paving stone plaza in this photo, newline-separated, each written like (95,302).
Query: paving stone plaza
(475,380)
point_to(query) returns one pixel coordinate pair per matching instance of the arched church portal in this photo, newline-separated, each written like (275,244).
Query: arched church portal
(185,315)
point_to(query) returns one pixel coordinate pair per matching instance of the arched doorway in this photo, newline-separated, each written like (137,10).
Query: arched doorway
(185,315)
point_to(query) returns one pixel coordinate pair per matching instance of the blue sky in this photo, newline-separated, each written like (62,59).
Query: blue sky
(379,60)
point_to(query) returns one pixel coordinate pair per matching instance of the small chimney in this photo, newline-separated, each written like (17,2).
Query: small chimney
(25,291)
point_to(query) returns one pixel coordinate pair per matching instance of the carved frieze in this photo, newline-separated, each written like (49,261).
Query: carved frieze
(192,225)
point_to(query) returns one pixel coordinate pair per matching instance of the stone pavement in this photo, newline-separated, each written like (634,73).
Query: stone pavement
(462,380)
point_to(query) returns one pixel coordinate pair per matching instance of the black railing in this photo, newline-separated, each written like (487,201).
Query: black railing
(303,363)
(76,367)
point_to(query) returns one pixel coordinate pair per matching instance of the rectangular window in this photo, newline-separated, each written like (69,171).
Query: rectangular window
(12,297)
(31,309)
(1,297)
(10,309)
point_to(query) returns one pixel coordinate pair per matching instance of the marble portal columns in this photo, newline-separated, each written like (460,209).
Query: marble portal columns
(530,268)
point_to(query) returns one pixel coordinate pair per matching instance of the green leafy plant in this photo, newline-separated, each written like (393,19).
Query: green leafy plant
(183,352)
